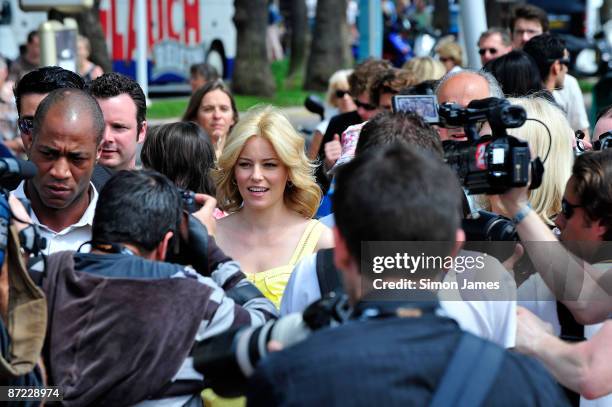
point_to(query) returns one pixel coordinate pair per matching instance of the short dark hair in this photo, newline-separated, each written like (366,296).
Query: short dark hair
(406,128)
(205,70)
(77,99)
(137,207)
(184,153)
(191,112)
(517,73)
(592,173)
(396,194)
(44,80)
(604,112)
(31,35)
(529,12)
(545,49)
(113,84)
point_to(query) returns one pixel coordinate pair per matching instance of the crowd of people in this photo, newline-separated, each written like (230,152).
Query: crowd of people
(224,231)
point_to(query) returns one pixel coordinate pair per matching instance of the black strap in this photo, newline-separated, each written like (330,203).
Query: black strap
(470,374)
(327,274)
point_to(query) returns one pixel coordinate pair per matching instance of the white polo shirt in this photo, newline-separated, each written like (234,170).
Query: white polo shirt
(71,237)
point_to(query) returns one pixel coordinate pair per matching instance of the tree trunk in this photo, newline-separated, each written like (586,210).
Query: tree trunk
(441,17)
(606,11)
(494,13)
(252,73)
(90,27)
(330,47)
(299,36)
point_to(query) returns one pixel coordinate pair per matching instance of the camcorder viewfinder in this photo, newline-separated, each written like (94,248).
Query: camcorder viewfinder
(494,163)
(425,106)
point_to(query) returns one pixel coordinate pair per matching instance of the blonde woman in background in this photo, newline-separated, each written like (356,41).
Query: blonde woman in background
(266,184)
(87,69)
(533,293)
(451,56)
(425,69)
(337,100)
(545,200)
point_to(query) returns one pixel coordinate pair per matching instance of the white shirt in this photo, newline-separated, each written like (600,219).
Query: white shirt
(71,237)
(535,295)
(494,320)
(572,102)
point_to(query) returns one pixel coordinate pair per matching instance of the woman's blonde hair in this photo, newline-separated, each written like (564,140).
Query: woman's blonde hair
(452,50)
(302,194)
(546,200)
(339,79)
(425,68)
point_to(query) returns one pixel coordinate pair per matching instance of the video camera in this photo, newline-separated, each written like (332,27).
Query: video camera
(230,358)
(12,172)
(489,164)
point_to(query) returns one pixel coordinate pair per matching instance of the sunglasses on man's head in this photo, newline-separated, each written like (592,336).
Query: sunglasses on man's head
(491,51)
(340,93)
(26,124)
(567,209)
(365,106)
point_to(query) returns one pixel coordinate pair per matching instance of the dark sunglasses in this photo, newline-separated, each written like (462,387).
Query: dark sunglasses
(365,106)
(26,124)
(567,209)
(483,51)
(340,93)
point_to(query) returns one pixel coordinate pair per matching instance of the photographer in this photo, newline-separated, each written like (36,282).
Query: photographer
(579,274)
(492,317)
(395,351)
(122,322)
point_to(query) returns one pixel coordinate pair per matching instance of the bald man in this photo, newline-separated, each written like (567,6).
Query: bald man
(64,146)
(462,88)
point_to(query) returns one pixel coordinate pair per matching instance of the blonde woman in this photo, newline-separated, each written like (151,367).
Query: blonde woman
(337,100)
(533,293)
(425,69)
(545,200)
(451,56)
(266,184)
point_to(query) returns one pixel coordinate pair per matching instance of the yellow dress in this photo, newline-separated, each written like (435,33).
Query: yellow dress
(272,282)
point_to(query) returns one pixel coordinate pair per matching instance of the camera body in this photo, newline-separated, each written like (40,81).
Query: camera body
(489,164)
(230,358)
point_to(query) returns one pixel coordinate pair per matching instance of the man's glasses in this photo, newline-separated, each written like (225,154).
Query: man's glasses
(365,106)
(340,93)
(26,124)
(491,51)
(567,209)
